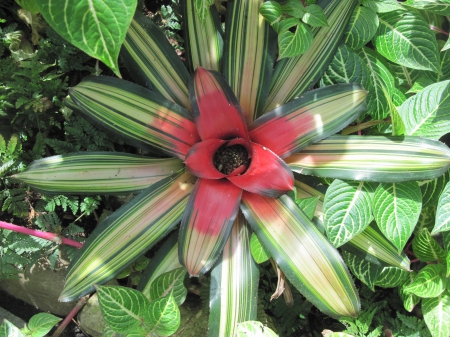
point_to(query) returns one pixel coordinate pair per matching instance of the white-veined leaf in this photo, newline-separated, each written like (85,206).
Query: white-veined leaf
(41,323)
(443,211)
(7,329)
(383,6)
(441,7)
(171,282)
(426,248)
(364,270)
(314,16)
(253,329)
(431,190)
(259,254)
(163,316)
(429,282)
(361,28)
(293,43)
(436,313)
(391,277)
(409,300)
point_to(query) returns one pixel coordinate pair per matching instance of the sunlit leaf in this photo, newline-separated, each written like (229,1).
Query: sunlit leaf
(436,313)
(429,282)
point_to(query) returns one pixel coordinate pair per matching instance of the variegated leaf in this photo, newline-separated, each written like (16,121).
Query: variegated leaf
(253,329)
(443,212)
(431,190)
(436,313)
(364,270)
(391,277)
(171,282)
(429,282)
(426,248)
(409,300)
(361,28)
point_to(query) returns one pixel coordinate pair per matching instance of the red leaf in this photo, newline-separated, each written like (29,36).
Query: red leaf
(217,113)
(207,222)
(200,159)
(267,174)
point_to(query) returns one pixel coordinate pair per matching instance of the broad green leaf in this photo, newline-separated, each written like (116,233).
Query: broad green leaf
(97,173)
(259,254)
(373,158)
(364,270)
(171,282)
(293,8)
(446,46)
(426,248)
(347,210)
(436,313)
(409,300)
(234,284)
(431,190)
(396,208)
(40,324)
(305,256)
(405,38)
(122,308)
(165,259)
(391,277)
(293,76)
(314,16)
(201,7)
(202,37)
(7,329)
(163,316)
(383,6)
(273,12)
(429,282)
(441,7)
(443,211)
(426,219)
(29,5)
(253,329)
(398,127)
(293,43)
(308,206)
(361,28)
(153,62)
(146,219)
(96,27)
(419,85)
(427,113)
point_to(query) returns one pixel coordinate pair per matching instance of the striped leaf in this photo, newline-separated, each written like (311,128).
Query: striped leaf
(347,210)
(409,300)
(97,173)
(234,283)
(171,282)
(163,316)
(153,62)
(441,7)
(202,37)
(426,248)
(443,212)
(306,257)
(303,191)
(396,208)
(362,27)
(316,115)
(139,115)
(436,313)
(165,259)
(431,190)
(296,75)
(373,246)
(429,282)
(372,158)
(128,233)
(364,270)
(248,62)
(391,277)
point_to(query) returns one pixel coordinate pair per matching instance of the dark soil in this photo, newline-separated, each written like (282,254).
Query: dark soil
(25,311)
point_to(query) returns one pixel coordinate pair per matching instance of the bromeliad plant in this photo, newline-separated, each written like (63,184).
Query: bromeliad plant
(237,124)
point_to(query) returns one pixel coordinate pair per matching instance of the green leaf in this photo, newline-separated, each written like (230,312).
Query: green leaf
(364,270)
(426,219)
(40,324)
(7,329)
(427,113)
(361,28)
(383,6)
(293,8)
(347,210)
(202,7)
(308,206)
(315,16)
(163,316)
(441,7)
(96,27)
(273,12)
(443,211)
(429,282)
(391,277)
(396,208)
(253,329)
(426,248)
(259,254)
(293,43)
(431,190)
(409,300)
(405,38)
(436,313)
(419,85)
(171,282)
(122,308)
(446,45)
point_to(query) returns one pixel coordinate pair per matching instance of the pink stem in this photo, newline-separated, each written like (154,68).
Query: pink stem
(70,316)
(40,234)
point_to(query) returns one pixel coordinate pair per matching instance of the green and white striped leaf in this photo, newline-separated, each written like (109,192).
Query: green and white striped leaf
(259,254)
(364,270)
(436,313)
(165,260)
(396,208)
(171,282)
(253,329)
(441,7)
(115,301)
(163,316)
(391,277)
(443,212)
(426,248)
(361,28)
(203,37)
(295,75)
(248,59)
(96,27)
(201,7)
(405,38)
(429,282)
(234,283)
(373,158)
(427,113)
(153,62)
(409,300)
(305,256)
(347,210)
(383,6)
(431,190)
(145,220)
(97,173)
(142,117)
